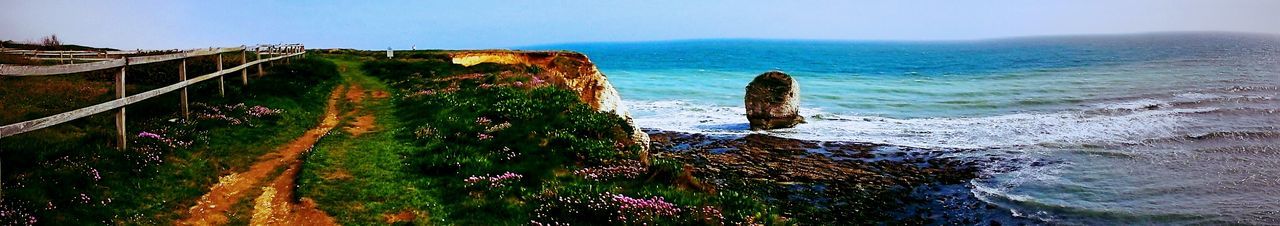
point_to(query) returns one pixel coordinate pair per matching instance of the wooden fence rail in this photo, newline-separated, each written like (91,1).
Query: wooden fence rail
(281,52)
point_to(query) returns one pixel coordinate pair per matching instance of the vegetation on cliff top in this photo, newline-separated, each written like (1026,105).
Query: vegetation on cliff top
(490,145)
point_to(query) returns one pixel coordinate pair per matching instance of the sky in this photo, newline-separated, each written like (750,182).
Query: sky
(470,24)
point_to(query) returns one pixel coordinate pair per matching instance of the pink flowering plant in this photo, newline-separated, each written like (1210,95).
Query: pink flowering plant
(493,181)
(493,186)
(161,137)
(624,169)
(233,114)
(608,208)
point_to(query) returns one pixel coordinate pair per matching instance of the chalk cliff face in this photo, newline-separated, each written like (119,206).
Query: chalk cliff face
(568,70)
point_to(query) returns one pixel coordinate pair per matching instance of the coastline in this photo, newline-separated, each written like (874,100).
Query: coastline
(833,182)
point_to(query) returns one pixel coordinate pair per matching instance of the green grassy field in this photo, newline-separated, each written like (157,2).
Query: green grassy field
(71,174)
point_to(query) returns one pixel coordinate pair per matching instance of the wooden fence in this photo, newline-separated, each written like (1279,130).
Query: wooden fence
(71,56)
(120,64)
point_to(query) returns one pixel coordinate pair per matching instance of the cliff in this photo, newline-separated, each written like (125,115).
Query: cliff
(569,70)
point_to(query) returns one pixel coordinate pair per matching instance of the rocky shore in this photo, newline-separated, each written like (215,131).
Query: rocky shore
(824,183)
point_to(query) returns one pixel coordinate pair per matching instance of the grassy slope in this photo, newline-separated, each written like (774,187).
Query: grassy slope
(158,192)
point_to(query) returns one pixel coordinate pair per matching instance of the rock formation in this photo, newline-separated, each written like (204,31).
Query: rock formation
(569,70)
(773,101)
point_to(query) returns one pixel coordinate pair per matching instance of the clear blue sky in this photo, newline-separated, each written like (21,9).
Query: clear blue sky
(501,24)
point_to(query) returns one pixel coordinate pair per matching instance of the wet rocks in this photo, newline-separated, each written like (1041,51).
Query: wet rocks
(827,182)
(773,101)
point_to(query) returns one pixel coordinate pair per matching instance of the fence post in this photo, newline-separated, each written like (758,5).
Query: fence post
(258,53)
(182,75)
(244,73)
(222,92)
(120,130)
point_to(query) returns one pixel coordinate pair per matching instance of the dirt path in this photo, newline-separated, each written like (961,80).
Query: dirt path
(274,205)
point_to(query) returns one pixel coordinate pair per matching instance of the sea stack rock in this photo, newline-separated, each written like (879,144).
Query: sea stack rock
(773,101)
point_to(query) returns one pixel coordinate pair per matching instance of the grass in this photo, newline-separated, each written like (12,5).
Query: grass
(474,146)
(358,179)
(70,174)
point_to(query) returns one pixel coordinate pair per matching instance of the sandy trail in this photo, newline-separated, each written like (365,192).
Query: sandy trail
(274,206)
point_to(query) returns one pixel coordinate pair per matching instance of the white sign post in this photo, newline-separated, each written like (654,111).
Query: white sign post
(389,54)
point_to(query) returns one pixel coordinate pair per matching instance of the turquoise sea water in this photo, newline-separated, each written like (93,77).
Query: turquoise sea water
(1175,128)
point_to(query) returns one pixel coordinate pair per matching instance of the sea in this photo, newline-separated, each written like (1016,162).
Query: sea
(1159,128)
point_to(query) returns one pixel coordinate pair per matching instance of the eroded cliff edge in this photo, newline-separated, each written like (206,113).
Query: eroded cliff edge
(568,70)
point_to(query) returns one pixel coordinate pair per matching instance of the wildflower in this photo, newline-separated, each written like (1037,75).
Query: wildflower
(625,169)
(508,154)
(494,181)
(498,127)
(640,209)
(259,111)
(483,136)
(145,134)
(426,92)
(424,132)
(96,176)
(483,121)
(709,213)
(84,199)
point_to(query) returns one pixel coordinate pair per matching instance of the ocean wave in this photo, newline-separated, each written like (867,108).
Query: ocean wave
(1137,122)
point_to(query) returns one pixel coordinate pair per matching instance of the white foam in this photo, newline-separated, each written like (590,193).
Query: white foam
(1131,105)
(1191,96)
(1020,129)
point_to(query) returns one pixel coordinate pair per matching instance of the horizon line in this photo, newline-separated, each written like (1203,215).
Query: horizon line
(1078,35)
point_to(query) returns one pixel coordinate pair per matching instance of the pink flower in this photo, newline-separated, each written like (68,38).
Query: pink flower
(626,169)
(145,134)
(494,181)
(483,136)
(423,92)
(642,209)
(96,176)
(709,213)
(259,111)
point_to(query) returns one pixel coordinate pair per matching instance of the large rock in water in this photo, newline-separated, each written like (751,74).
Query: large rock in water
(773,101)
